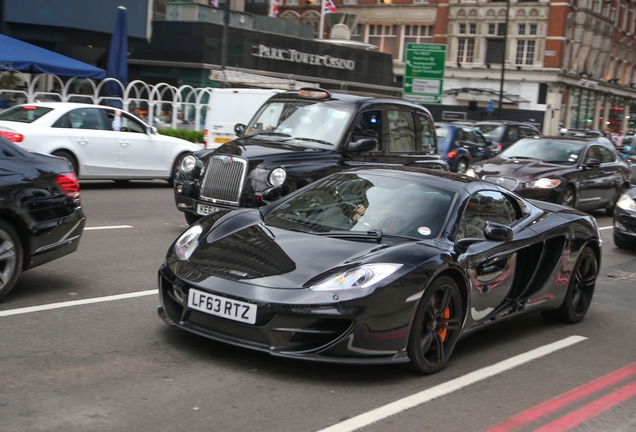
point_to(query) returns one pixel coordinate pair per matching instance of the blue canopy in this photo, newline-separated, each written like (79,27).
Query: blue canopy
(21,56)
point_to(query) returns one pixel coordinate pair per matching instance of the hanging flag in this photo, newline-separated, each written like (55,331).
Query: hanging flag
(330,7)
(214,3)
(273,8)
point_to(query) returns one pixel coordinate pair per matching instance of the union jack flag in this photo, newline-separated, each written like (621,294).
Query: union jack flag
(330,7)
(273,8)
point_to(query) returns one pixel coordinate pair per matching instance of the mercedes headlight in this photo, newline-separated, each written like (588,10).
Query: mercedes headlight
(188,163)
(626,203)
(543,183)
(188,242)
(277,177)
(359,277)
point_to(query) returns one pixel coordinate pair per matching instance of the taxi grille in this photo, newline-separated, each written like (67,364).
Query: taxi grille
(223,179)
(505,182)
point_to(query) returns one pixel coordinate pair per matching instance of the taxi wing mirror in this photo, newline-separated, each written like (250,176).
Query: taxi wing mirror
(363,144)
(239,129)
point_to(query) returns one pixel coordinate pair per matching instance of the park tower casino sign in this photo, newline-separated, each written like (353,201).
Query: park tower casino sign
(294,56)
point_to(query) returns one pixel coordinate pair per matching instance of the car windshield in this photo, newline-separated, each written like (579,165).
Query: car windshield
(24,113)
(545,150)
(302,120)
(351,203)
(494,132)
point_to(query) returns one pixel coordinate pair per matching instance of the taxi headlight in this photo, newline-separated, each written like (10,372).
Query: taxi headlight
(359,277)
(277,176)
(626,203)
(543,183)
(470,173)
(188,163)
(188,242)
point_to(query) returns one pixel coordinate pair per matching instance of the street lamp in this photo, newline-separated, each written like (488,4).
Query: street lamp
(503,58)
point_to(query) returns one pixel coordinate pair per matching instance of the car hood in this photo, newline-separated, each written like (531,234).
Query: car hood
(241,247)
(522,170)
(269,146)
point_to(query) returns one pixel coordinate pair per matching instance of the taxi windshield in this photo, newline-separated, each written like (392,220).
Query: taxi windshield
(301,120)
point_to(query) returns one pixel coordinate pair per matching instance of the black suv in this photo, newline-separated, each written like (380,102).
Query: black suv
(301,136)
(505,133)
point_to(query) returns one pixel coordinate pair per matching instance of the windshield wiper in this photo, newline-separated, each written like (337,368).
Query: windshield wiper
(365,235)
(522,157)
(313,140)
(273,134)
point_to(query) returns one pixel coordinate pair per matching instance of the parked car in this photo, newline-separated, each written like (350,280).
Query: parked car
(430,259)
(584,173)
(505,133)
(83,135)
(460,145)
(625,220)
(301,136)
(41,216)
(628,154)
(588,133)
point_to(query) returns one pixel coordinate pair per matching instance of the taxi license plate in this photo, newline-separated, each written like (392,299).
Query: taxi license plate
(205,210)
(222,307)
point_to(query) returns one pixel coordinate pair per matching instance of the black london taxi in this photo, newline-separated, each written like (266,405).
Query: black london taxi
(298,137)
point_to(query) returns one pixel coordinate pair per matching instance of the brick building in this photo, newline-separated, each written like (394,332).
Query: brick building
(567,63)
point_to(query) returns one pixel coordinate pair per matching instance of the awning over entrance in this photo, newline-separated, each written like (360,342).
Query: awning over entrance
(16,55)
(483,95)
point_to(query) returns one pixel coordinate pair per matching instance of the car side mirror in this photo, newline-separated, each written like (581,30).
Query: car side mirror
(152,130)
(593,163)
(363,144)
(239,129)
(497,232)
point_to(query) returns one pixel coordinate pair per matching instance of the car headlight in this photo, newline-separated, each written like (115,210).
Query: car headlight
(277,176)
(359,277)
(188,163)
(188,242)
(470,173)
(626,203)
(543,183)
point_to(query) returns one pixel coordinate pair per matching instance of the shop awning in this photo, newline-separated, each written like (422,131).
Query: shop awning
(16,55)
(483,95)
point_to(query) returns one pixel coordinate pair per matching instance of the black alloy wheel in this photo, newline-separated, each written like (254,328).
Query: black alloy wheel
(436,327)
(580,289)
(10,258)
(568,197)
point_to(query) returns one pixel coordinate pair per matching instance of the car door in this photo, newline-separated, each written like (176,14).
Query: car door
(93,145)
(139,154)
(491,265)
(595,180)
(469,142)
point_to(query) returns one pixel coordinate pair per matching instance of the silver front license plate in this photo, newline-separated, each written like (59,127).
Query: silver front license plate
(205,210)
(222,307)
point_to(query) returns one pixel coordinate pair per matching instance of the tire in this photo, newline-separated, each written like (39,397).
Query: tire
(462,166)
(70,158)
(436,327)
(610,210)
(580,290)
(568,197)
(191,217)
(175,169)
(622,244)
(11,257)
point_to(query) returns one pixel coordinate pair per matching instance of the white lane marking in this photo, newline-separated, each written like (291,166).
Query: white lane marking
(107,227)
(393,408)
(60,305)
(605,228)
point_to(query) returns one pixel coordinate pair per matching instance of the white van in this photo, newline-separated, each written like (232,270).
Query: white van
(229,106)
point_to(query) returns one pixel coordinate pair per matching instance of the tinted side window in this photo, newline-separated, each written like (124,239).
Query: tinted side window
(512,134)
(607,156)
(483,207)
(592,153)
(469,135)
(62,122)
(88,118)
(368,125)
(525,131)
(401,131)
(428,134)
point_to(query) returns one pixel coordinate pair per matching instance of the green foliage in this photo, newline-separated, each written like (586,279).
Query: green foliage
(188,135)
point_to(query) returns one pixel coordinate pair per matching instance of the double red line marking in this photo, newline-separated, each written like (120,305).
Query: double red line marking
(582,414)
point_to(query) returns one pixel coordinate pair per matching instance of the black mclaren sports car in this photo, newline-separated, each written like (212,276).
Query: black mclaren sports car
(380,265)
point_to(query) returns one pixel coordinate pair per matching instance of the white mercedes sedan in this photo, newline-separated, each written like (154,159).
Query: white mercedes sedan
(96,146)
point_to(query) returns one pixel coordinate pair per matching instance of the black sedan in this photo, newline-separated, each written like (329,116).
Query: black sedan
(584,173)
(41,216)
(625,220)
(384,265)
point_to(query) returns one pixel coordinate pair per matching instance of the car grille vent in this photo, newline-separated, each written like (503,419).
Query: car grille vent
(505,182)
(223,179)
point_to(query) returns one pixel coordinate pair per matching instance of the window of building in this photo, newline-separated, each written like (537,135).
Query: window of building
(533,29)
(418,34)
(494,51)
(348,2)
(385,37)
(465,50)
(291,2)
(522,29)
(491,29)
(525,52)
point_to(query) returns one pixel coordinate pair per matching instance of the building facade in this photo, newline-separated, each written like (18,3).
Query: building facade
(566,63)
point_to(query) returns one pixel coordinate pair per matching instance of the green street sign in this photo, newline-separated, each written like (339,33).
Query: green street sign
(424,72)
